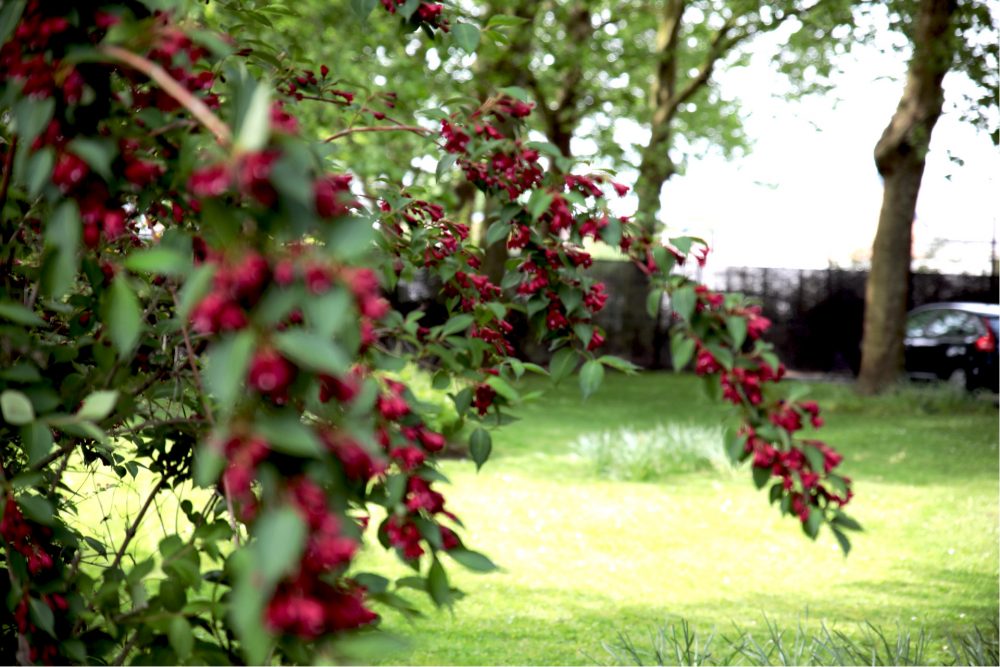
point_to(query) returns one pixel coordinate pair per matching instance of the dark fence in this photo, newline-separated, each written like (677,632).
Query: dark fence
(817,315)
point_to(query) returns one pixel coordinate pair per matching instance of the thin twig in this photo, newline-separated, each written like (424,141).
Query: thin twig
(151,423)
(65,449)
(8,167)
(193,365)
(232,514)
(171,87)
(134,527)
(120,658)
(379,128)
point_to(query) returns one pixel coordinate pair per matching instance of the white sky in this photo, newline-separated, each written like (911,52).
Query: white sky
(808,194)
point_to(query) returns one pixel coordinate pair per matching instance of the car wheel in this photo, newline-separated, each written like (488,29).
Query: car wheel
(959,379)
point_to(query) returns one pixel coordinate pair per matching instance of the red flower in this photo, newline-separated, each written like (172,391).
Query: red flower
(483,398)
(209,181)
(270,373)
(141,173)
(69,171)
(254,176)
(332,195)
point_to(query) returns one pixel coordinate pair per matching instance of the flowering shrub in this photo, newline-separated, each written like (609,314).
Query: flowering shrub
(191,289)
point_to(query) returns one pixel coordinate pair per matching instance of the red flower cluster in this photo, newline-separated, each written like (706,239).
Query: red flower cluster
(428,14)
(26,538)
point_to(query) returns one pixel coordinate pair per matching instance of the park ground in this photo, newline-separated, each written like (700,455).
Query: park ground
(584,557)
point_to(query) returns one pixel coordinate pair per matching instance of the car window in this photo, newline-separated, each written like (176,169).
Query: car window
(952,324)
(994,323)
(916,325)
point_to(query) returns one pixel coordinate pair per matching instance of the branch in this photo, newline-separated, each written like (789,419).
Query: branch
(170,86)
(193,365)
(381,128)
(134,527)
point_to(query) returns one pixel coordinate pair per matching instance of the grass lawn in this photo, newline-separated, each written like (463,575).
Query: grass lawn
(584,558)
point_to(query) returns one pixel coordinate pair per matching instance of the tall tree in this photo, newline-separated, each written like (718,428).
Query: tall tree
(696,39)
(946,35)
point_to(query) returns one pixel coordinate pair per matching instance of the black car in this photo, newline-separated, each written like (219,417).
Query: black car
(955,342)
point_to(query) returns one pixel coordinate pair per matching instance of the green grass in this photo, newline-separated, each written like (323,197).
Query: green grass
(585,558)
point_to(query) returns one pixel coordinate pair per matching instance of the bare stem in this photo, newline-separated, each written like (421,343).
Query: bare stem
(134,526)
(194,366)
(170,86)
(380,128)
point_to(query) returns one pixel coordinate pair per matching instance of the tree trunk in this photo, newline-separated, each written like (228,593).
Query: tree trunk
(656,166)
(900,156)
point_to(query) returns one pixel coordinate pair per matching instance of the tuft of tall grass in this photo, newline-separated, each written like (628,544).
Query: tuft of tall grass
(677,643)
(646,455)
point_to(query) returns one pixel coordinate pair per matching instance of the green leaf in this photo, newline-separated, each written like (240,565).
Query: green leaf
(246,608)
(194,290)
(410,6)
(362,8)
(329,313)
(122,316)
(584,331)
(814,456)
(503,388)
(98,405)
(473,560)
(39,170)
(653,302)
(15,312)
(37,509)
(350,238)
(445,164)
(562,364)
(480,446)
(285,433)
(10,14)
(682,243)
(312,351)
(208,465)
(502,20)
(97,153)
(842,520)
(497,232)
(683,301)
(437,584)
(255,125)
(181,637)
(539,203)
(619,364)
(737,327)
(159,260)
(457,323)
(42,616)
(226,366)
(760,476)
(681,350)
(736,446)
(62,238)
(466,36)
(812,524)
(517,92)
(31,116)
(842,540)
(281,537)
(591,376)
(37,439)
(16,408)
(462,401)
(173,595)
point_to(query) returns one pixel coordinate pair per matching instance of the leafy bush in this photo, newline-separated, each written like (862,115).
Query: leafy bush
(654,454)
(245,346)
